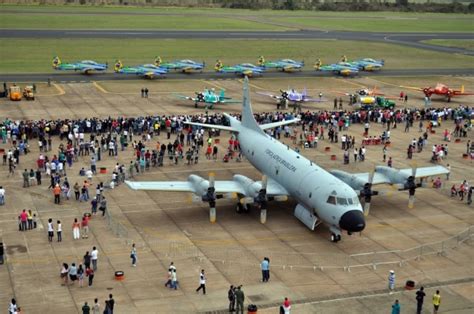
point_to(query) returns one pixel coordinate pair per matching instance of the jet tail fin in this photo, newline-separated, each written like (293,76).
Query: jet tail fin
(248,120)
(462,89)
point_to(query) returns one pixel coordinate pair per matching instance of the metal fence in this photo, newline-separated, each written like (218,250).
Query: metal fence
(315,261)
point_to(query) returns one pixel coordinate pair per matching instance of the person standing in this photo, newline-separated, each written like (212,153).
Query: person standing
(85,226)
(436,302)
(265,266)
(103,205)
(396,307)
(111,302)
(240,298)
(286,306)
(73,273)
(86,309)
(96,307)
(57,194)
(391,281)
(1,253)
(174,279)
(30,220)
(133,255)
(80,275)
(94,257)
(87,260)
(420,296)
(59,231)
(12,308)
(50,230)
(23,220)
(202,282)
(231,297)
(90,274)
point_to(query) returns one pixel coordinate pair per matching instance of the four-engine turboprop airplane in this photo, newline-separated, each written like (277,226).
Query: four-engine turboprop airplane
(322,197)
(148,71)
(284,65)
(441,90)
(184,66)
(85,66)
(210,98)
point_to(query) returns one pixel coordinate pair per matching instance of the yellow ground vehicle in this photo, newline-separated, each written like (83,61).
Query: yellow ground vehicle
(15,93)
(28,93)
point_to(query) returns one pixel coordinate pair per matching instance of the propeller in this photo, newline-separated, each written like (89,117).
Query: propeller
(200,97)
(411,186)
(211,197)
(261,200)
(367,193)
(284,94)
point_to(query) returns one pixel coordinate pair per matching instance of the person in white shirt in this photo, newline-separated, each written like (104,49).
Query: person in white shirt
(59,232)
(50,230)
(202,282)
(2,195)
(94,257)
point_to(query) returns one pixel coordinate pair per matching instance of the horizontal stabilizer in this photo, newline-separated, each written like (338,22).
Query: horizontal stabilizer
(277,124)
(212,126)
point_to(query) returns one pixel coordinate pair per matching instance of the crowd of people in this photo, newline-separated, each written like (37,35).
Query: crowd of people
(90,139)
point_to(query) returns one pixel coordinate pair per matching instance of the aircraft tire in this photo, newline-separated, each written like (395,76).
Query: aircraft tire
(335,237)
(240,208)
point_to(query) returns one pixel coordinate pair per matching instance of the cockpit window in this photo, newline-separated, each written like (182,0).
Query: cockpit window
(331,200)
(341,201)
(349,200)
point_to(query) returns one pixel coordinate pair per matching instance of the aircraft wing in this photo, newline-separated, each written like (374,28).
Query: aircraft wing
(315,100)
(277,124)
(274,188)
(278,97)
(212,126)
(185,186)
(412,88)
(184,97)
(230,101)
(387,178)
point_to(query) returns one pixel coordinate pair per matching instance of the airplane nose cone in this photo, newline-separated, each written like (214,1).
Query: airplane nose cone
(352,221)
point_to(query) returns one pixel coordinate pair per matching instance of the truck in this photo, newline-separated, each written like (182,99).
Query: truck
(15,93)
(28,93)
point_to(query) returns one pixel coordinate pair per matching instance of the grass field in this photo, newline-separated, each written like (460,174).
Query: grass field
(386,24)
(86,17)
(20,55)
(75,21)
(458,43)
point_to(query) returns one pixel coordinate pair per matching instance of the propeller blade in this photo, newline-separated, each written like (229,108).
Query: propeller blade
(232,195)
(264,182)
(263,215)
(212,179)
(280,198)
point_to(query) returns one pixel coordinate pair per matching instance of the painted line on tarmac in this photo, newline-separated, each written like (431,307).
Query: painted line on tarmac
(253,85)
(100,88)
(213,83)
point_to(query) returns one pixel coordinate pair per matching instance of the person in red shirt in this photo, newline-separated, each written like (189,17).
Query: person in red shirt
(23,219)
(85,226)
(57,194)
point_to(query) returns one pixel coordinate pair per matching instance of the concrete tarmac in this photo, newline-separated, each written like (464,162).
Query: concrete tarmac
(166,227)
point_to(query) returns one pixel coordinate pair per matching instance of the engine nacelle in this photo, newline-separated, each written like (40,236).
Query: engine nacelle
(350,179)
(395,175)
(250,187)
(306,216)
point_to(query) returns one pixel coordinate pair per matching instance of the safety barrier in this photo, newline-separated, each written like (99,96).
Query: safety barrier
(247,258)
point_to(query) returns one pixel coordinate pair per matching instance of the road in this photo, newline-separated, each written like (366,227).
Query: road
(406,39)
(77,77)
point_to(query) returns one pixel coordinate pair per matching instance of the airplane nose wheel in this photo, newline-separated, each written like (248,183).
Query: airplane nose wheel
(335,237)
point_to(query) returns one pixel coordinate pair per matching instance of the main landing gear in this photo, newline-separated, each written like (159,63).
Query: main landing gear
(242,208)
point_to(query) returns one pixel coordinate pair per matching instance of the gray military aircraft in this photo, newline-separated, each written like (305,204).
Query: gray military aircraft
(322,197)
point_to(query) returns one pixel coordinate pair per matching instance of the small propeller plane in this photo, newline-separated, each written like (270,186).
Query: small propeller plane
(441,90)
(148,71)
(210,98)
(85,66)
(243,69)
(342,69)
(184,66)
(321,196)
(284,65)
(293,97)
(364,96)
(369,64)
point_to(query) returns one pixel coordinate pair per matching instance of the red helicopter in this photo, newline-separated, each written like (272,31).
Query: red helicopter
(442,90)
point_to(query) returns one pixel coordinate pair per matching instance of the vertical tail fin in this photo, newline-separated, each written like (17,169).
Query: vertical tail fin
(248,120)
(462,89)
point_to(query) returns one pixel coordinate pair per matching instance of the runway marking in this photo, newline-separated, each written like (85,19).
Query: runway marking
(100,88)
(349,82)
(59,93)
(213,84)
(385,83)
(103,90)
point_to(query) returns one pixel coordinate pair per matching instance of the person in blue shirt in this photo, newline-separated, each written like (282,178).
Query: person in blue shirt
(265,266)
(396,307)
